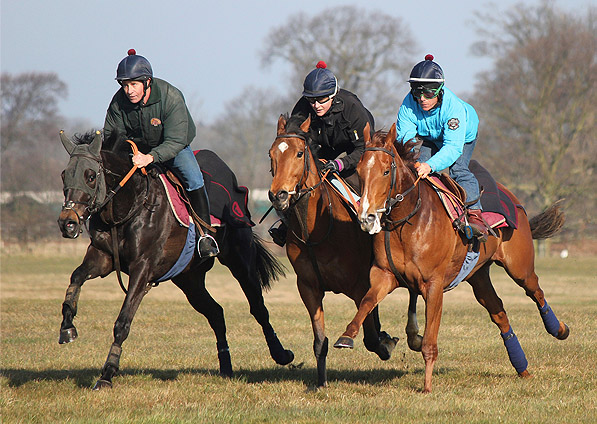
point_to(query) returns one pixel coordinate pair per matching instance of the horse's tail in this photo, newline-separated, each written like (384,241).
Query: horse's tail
(268,267)
(548,223)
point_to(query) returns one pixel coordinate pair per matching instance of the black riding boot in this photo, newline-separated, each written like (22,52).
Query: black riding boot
(207,245)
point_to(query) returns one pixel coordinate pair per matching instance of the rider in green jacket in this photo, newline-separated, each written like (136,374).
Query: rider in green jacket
(153,114)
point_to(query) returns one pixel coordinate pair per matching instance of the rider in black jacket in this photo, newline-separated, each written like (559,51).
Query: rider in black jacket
(338,119)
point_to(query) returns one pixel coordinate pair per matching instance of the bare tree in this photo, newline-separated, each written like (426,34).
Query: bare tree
(537,105)
(31,155)
(243,135)
(369,52)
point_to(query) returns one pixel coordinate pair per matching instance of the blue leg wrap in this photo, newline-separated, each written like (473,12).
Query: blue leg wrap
(551,323)
(515,352)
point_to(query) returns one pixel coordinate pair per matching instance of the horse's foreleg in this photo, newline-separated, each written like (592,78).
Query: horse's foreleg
(313,300)
(382,283)
(434,298)
(414,339)
(377,341)
(136,291)
(94,264)
(488,298)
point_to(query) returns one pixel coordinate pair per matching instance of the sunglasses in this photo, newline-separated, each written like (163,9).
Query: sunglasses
(321,100)
(428,93)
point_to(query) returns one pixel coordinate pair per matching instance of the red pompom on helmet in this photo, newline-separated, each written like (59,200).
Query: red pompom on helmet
(321,65)
(429,57)
(133,67)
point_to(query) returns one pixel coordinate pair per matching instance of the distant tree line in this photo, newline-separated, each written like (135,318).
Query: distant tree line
(536,106)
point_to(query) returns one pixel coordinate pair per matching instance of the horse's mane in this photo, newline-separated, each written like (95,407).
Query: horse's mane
(404,150)
(119,159)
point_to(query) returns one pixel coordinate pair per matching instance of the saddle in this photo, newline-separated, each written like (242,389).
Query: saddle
(227,200)
(499,209)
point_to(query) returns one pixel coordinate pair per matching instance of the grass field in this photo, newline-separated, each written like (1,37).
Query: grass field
(169,370)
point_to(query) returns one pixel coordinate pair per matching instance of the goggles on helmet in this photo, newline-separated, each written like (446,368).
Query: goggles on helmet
(426,92)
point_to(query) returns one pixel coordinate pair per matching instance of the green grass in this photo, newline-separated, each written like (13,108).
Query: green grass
(169,369)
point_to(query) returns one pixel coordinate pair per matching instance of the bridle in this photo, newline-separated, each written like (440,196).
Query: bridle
(299,192)
(392,201)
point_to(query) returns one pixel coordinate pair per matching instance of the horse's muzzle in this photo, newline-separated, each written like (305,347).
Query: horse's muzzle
(280,200)
(70,224)
(370,223)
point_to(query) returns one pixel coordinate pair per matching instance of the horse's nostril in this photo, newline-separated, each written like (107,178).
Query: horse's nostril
(371,218)
(282,195)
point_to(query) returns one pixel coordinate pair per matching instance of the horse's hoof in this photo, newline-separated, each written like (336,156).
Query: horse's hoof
(416,343)
(68,335)
(288,359)
(102,384)
(344,342)
(387,344)
(565,334)
(525,374)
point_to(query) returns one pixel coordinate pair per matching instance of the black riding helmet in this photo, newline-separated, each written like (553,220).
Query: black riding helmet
(320,82)
(134,68)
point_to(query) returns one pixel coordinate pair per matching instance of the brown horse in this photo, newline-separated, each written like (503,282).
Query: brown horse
(419,248)
(325,245)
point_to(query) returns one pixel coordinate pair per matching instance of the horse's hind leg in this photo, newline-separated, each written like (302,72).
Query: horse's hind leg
(242,262)
(519,262)
(488,298)
(94,264)
(193,285)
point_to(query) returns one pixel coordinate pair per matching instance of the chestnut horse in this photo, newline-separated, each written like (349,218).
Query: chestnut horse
(137,232)
(419,248)
(325,245)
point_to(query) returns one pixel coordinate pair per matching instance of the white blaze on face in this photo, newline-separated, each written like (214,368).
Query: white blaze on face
(283,146)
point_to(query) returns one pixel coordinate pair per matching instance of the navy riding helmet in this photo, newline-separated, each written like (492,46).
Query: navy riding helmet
(134,68)
(320,82)
(426,71)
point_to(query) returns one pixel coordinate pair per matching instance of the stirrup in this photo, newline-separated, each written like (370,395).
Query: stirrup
(207,246)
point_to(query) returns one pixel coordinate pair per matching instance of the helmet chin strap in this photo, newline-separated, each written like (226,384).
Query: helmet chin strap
(145,87)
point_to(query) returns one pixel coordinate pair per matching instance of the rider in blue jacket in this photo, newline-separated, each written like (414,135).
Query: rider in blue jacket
(448,127)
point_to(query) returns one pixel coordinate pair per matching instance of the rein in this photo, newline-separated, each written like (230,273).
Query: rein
(399,197)
(300,194)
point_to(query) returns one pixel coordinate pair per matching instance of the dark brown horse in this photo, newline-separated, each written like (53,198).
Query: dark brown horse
(149,241)
(325,245)
(419,248)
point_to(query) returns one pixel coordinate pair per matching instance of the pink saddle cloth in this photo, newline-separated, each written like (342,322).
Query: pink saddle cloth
(179,206)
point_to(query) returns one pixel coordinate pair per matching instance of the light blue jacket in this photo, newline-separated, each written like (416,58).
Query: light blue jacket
(449,126)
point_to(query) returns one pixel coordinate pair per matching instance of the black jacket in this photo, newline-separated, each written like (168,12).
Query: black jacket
(339,133)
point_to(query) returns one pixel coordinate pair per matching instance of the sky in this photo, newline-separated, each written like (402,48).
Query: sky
(208,49)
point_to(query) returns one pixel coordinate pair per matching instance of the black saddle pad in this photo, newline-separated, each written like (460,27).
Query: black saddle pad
(227,200)
(493,199)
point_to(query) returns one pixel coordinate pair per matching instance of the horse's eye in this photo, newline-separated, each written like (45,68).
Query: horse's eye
(300,154)
(387,172)
(91,178)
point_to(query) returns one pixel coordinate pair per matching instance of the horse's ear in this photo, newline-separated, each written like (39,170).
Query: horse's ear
(391,137)
(281,125)
(305,125)
(67,143)
(367,133)
(96,145)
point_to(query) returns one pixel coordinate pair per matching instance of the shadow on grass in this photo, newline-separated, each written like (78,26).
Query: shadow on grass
(86,377)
